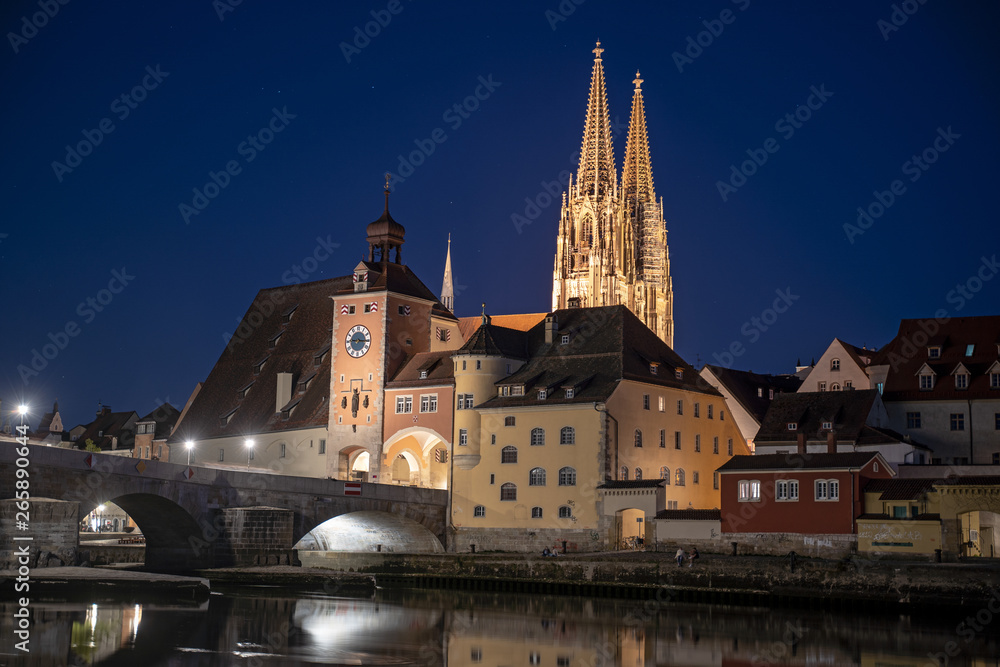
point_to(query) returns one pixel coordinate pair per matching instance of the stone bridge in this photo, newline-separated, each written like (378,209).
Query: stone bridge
(195,517)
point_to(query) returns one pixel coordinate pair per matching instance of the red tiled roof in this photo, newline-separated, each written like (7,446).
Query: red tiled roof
(899,489)
(809,461)
(847,411)
(439,366)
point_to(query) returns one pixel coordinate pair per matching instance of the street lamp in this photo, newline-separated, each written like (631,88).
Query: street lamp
(249,452)
(189,444)
(22,410)
(100,518)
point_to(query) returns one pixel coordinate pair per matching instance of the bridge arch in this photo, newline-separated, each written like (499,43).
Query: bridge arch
(417,444)
(367,531)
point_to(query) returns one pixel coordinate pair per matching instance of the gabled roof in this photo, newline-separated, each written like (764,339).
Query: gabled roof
(846,410)
(522,322)
(165,417)
(438,365)
(107,427)
(907,353)
(799,461)
(606,345)
(305,336)
(743,386)
(861,356)
(900,489)
(396,278)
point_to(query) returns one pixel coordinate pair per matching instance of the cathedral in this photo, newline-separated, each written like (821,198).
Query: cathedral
(612,243)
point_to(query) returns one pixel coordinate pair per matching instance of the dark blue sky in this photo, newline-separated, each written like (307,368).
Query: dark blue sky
(211,82)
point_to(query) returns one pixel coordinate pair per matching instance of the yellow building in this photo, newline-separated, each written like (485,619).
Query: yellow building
(545,417)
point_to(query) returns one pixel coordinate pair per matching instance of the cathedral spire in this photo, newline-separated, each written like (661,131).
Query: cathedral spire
(447,287)
(596,174)
(637,176)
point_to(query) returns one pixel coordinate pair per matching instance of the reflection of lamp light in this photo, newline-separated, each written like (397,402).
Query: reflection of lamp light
(189,444)
(249,452)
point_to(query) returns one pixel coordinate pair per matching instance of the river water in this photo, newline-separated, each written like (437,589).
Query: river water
(274,626)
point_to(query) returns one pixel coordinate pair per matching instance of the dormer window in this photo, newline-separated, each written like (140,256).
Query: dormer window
(517,390)
(679,373)
(770,394)
(934,352)
(304,383)
(286,316)
(423,375)
(542,394)
(245,390)
(962,381)
(969,349)
(827,426)
(926,381)
(793,426)
(273,342)
(259,366)
(760,392)
(321,356)
(226,418)
(360,281)
(654,369)
(569,392)
(835,364)
(565,339)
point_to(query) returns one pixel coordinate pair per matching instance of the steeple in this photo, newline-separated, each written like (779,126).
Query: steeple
(596,175)
(447,288)
(385,234)
(637,177)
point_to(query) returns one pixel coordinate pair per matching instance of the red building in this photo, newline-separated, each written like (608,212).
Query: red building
(804,493)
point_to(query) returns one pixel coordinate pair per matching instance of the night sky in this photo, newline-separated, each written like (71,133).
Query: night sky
(307,113)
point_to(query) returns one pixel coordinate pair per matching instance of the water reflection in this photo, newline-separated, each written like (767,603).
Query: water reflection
(272,626)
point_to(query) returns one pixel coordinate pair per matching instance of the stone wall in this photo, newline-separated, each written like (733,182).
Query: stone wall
(53,527)
(520,540)
(256,536)
(779,544)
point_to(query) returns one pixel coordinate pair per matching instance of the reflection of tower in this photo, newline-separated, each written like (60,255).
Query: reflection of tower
(611,247)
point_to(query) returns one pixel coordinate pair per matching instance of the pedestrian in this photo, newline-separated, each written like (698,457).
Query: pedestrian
(546,552)
(694,556)
(679,556)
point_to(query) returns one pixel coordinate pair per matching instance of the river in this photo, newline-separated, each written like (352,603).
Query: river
(268,626)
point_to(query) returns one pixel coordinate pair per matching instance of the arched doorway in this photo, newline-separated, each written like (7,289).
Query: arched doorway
(361,467)
(630,528)
(404,469)
(980,533)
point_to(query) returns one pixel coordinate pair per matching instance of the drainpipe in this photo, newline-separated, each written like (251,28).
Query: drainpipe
(972,459)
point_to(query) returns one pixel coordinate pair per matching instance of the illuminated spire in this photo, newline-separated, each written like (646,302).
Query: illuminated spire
(596,175)
(637,178)
(447,287)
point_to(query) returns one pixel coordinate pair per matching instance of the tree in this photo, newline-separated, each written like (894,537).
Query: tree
(90,446)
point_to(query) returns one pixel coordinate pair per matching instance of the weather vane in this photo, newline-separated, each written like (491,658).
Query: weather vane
(387,177)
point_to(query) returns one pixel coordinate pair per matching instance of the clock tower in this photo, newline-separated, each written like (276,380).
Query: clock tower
(385,318)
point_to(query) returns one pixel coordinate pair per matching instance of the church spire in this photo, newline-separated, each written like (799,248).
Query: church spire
(447,287)
(596,174)
(637,177)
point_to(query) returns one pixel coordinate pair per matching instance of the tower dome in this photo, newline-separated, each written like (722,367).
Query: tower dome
(385,234)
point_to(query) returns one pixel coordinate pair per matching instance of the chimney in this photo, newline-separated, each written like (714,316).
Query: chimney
(284,391)
(551,326)
(802,443)
(103,410)
(831,442)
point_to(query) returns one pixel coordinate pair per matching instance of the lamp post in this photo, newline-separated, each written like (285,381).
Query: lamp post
(249,452)
(100,518)
(189,444)
(22,410)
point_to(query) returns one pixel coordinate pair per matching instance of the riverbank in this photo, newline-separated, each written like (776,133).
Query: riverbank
(94,585)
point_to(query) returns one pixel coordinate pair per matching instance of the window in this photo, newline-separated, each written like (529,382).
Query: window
(567,476)
(793,426)
(848,384)
(404,405)
(760,392)
(835,386)
(749,490)
(228,417)
(542,394)
(508,491)
(934,352)
(926,382)
(661,403)
(821,386)
(827,489)
(322,446)
(429,403)
(671,504)
(493,438)
(567,436)
(222,454)
(694,477)
(697,442)
(969,349)
(679,373)
(509,420)
(996,421)
(259,366)
(469,401)
(697,409)
(835,364)
(715,481)
(898,511)
(564,339)
(479,511)
(562,661)
(624,473)
(770,394)
(645,401)
(996,458)
(368,308)
(537,437)
(569,392)
(286,316)
(663,438)
(565,512)
(994,380)
(536,512)
(493,479)
(479,364)
(665,473)
(282,454)
(638,473)
(786,489)
(962,381)
(517,390)
(536,477)
(958,421)
(710,408)
(508,454)
(679,477)
(715,445)
(273,343)
(826,426)
(463,365)
(730,446)
(638,438)
(680,407)
(677,439)
(912,420)
(464,401)
(463,437)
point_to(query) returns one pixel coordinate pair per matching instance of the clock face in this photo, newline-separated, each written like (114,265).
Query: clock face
(358,341)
